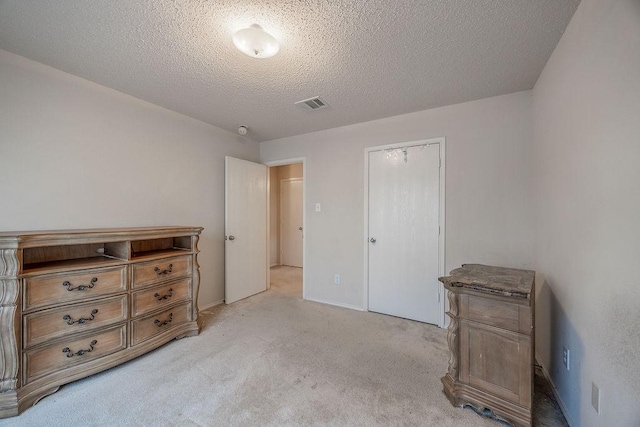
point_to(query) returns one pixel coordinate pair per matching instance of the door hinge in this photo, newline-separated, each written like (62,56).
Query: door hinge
(440,163)
(438,295)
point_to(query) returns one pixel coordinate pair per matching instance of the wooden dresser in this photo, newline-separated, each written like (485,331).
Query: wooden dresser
(491,340)
(77,302)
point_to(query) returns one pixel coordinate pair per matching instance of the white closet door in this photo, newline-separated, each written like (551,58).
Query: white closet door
(245,229)
(291,224)
(404,232)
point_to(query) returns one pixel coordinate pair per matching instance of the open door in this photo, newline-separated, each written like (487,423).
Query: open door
(245,229)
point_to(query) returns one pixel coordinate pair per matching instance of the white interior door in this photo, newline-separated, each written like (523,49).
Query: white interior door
(291,222)
(245,229)
(404,186)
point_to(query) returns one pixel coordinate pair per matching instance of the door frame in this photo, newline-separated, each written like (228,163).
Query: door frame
(284,162)
(441,141)
(280,212)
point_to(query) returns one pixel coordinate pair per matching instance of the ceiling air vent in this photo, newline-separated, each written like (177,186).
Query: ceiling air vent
(314,103)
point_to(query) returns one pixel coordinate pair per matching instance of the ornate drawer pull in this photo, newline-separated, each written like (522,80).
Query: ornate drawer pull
(80,352)
(163,272)
(167,296)
(160,324)
(82,319)
(67,285)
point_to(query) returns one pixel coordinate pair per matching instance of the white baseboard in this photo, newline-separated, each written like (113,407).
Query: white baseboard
(275,265)
(561,403)
(337,304)
(211,305)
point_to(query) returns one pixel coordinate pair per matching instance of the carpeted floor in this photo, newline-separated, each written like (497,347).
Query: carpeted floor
(274,359)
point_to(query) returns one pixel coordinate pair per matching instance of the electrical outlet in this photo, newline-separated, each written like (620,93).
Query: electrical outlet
(566,357)
(595,397)
(336,279)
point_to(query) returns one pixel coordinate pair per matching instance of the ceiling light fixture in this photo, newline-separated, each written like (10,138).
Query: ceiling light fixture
(256,42)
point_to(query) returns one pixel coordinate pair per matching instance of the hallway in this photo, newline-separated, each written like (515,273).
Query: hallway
(286,280)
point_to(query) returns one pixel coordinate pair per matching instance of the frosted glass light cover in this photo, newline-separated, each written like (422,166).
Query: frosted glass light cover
(256,42)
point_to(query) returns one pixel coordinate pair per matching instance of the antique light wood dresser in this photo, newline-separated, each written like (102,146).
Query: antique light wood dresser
(491,340)
(77,302)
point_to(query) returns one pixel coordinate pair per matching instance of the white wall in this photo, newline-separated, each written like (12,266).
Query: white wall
(586,122)
(488,217)
(74,154)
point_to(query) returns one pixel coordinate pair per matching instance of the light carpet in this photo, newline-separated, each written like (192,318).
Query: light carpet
(272,359)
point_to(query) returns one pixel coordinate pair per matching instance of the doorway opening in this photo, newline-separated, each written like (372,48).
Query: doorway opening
(249,190)
(286,227)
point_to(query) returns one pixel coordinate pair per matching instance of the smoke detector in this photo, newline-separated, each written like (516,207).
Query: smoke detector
(311,104)
(242,130)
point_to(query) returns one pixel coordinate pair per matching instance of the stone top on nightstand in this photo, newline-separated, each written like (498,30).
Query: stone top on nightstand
(509,282)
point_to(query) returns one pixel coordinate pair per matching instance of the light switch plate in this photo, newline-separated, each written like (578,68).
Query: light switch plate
(318,207)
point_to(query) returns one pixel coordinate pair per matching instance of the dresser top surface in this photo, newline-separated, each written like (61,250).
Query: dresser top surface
(10,239)
(495,280)
(119,230)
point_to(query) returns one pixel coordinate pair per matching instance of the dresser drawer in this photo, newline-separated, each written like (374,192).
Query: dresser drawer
(147,273)
(56,322)
(512,317)
(146,327)
(51,289)
(160,296)
(73,351)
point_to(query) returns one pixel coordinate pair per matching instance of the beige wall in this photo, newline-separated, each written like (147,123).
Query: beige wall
(586,118)
(290,171)
(276,174)
(74,154)
(274,221)
(488,210)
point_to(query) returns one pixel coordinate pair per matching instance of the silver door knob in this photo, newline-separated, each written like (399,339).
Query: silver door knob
(300,228)
(232,238)
(372,240)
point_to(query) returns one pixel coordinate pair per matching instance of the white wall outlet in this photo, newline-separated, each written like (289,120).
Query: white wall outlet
(595,397)
(336,279)
(566,357)
(318,207)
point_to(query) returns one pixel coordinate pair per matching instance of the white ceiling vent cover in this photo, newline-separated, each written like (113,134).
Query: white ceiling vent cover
(310,104)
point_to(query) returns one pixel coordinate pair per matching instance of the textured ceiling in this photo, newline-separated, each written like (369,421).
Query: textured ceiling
(367,59)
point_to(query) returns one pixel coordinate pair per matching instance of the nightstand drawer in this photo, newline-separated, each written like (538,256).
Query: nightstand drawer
(147,327)
(71,352)
(147,273)
(160,296)
(52,289)
(56,322)
(512,317)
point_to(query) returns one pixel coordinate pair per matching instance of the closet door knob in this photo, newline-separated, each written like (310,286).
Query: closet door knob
(372,240)
(232,238)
